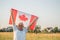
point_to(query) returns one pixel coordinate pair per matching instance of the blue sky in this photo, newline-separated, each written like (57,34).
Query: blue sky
(48,11)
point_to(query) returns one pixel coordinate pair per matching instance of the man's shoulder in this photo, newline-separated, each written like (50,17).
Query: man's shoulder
(25,28)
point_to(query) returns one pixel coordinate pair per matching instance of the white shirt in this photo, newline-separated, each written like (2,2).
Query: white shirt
(19,35)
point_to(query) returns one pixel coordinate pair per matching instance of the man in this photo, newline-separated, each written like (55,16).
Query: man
(20,30)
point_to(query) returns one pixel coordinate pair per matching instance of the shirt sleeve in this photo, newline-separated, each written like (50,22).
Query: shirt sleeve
(25,29)
(14,27)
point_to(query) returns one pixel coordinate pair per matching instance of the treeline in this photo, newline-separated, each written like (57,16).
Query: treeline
(8,29)
(36,30)
(45,30)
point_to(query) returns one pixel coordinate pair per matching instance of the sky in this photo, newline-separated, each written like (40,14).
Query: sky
(48,11)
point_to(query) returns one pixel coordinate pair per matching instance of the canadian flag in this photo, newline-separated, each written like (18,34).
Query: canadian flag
(20,16)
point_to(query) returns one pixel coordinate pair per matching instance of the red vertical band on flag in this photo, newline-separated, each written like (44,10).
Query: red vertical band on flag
(14,12)
(34,24)
(10,20)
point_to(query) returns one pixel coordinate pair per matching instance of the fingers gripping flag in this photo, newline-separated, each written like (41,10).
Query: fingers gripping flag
(23,17)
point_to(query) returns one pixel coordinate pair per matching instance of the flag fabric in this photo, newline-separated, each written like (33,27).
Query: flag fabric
(34,24)
(14,12)
(23,17)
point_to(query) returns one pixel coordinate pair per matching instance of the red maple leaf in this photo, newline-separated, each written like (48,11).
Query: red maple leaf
(23,17)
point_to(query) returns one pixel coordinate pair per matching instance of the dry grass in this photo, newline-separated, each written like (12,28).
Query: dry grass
(31,36)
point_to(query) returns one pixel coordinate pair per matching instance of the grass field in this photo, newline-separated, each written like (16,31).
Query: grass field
(31,36)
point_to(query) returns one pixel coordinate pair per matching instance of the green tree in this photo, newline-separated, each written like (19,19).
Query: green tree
(55,29)
(45,31)
(37,29)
